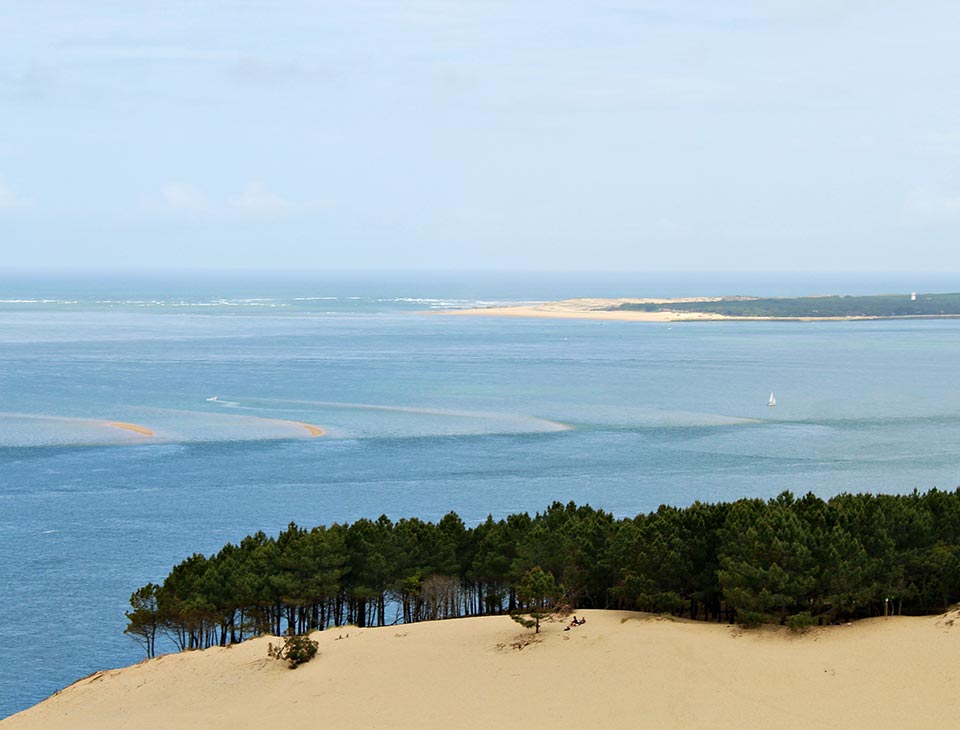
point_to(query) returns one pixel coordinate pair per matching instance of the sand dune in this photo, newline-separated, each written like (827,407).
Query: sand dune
(619,670)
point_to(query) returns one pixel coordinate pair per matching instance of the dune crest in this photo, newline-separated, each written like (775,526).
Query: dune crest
(619,670)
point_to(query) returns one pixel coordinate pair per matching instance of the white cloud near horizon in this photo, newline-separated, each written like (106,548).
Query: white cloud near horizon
(267,72)
(9,199)
(941,143)
(932,205)
(146,53)
(185,198)
(255,199)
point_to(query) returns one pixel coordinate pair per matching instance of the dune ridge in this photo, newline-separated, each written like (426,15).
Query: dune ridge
(619,670)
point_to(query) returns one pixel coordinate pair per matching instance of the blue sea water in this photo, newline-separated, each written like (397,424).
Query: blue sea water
(424,414)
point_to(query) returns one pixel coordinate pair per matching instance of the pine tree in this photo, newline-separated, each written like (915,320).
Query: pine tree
(144,619)
(538,593)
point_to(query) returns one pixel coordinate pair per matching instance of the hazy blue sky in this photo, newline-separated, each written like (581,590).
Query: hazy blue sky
(471,134)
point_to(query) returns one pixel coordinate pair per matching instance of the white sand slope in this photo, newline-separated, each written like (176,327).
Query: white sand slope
(619,670)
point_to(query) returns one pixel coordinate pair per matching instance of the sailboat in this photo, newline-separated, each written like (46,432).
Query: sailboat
(773,400)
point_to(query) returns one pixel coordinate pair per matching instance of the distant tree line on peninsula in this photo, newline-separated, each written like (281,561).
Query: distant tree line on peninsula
(785,560)
(881,305)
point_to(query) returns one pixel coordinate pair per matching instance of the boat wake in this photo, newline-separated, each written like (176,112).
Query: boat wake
(222,402)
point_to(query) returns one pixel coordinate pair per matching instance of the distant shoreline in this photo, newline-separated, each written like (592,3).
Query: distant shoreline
(717,309)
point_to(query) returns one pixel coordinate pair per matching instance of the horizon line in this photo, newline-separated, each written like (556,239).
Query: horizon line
(244,270)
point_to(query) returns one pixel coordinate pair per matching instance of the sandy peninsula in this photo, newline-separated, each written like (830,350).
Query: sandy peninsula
(589,309)
(619,670)
(820,308)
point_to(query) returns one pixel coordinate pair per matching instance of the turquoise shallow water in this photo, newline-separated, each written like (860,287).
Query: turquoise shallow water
(424,415)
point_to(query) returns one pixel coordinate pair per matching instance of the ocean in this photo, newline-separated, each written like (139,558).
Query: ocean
(423,415)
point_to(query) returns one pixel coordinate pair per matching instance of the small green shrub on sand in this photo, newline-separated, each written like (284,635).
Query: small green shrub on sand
(800,622)
(297,649)
(750,619)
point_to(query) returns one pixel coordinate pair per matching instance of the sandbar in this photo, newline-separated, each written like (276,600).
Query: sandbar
(314,431)
(142,430)
(619,670)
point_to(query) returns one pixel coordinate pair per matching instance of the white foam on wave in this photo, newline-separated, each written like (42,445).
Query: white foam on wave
(239,302)
(271,302)
(434,303)
(39,301)
(226,303)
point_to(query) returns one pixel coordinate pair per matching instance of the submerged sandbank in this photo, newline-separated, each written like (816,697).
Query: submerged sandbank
(619,670)
(314,431)
(142,430)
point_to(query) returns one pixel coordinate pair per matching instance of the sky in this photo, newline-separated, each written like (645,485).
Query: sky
(473,134)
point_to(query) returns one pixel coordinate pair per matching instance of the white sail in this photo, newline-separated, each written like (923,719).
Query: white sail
(773,400)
